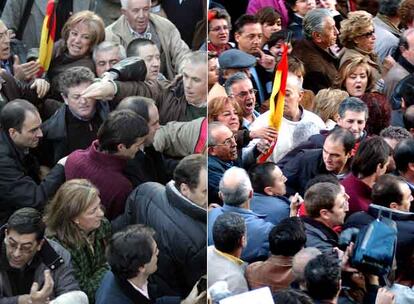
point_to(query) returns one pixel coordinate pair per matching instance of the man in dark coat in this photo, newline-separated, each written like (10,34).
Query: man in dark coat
(326,205)
(177,212)
(74,125)
(404,158)
(21,184)
(133,257)
(392,196)
(222,155)
(314,50)
(148,165)
(332,159)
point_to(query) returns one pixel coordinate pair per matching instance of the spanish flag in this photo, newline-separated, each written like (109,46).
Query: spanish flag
(47,38)
(276,107)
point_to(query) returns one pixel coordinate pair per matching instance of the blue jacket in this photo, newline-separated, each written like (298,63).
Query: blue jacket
(273,208)
(257,232)
(216,169)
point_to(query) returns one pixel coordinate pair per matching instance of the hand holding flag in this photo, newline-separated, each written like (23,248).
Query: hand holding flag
(276,107)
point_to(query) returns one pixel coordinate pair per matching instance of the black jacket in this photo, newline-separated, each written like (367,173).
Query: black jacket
(180,227)
(302,168)
(150,166)
(405,227)
(54,142)
(20,185)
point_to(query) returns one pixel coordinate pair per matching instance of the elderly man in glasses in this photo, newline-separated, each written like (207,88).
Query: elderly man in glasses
(240,87)
(222,155)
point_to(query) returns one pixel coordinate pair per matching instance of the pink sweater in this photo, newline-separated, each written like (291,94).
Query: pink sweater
(278,5)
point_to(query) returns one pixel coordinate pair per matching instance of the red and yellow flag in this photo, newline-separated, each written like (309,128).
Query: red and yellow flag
(276,106)
(47,38)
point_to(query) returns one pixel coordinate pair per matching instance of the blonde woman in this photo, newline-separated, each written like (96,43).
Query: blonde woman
(326,104)
(80,34)
(355,76)
(75,219)
(358,38)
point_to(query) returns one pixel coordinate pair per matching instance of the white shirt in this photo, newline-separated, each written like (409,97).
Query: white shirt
(285,139)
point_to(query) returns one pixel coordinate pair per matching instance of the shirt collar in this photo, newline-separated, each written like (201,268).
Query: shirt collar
(147,34)
(229,257)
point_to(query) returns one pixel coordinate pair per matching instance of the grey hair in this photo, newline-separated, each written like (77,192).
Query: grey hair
(303,131)
(212,126)
(301,259)
(194,58)
(353,104)
(235,186)
(124,3)
(314,21)
(106,46)
(232,80)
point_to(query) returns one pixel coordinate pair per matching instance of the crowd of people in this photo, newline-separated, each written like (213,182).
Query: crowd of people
(282,201)
(103,199)
(143,165)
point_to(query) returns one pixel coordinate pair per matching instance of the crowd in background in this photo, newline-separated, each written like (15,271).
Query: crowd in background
(103,181)
(340,160)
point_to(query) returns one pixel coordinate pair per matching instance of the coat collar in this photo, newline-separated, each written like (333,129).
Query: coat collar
(55,127)
(177,200)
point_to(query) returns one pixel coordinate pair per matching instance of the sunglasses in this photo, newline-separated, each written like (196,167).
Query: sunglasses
(367,35)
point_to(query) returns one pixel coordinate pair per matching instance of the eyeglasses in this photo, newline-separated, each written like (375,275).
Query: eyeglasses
(367,35)
(5,34)
(13,246)
(244,94)
(219,28)
(228,142)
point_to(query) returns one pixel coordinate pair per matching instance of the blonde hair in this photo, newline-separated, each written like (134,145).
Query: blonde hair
(327,101)
(217,104)
(353,27)
(72,199)
(348,67)
(95,25)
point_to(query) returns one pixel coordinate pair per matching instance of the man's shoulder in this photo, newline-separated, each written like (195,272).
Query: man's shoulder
(306,156)
(117,26)
(6,149)
(150,193)
(159,21)
(312,117)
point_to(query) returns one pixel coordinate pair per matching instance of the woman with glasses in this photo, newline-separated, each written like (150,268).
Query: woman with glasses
(358,38)
(75,219)
(219,26)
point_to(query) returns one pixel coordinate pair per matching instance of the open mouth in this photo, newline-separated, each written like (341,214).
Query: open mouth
(249,106)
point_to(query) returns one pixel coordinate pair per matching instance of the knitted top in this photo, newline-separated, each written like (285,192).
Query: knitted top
(105,171)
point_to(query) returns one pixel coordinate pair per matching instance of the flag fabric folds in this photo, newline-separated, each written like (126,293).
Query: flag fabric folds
(47,38)
(276,106)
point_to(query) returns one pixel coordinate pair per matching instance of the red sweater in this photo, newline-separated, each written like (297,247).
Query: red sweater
(105,171)
(359,194)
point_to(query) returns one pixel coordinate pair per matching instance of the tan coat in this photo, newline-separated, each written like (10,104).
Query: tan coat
(173,47)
